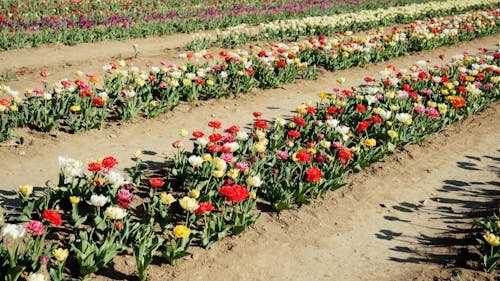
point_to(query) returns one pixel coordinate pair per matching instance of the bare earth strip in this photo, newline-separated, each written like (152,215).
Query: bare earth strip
(394,221)
(62,61)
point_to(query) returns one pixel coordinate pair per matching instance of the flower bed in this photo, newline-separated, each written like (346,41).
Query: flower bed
(293,29)
(82,105)
(89,217)
(29,23)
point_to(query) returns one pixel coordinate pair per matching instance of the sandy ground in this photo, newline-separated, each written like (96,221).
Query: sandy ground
(399,220)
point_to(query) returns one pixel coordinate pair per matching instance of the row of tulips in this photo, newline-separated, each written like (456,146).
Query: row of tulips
(82,105)
(296,160)
(293,29)
(329,52)
(94,213)
(29,23)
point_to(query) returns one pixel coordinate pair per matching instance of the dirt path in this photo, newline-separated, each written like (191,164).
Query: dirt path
(62,61)
(393,221)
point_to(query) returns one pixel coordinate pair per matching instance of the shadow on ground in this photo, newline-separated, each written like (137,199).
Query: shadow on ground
(455,204)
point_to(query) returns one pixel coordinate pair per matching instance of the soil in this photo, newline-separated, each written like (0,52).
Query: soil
(405,219)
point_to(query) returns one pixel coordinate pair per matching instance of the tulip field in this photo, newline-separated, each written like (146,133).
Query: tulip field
(270,124)
(25,24)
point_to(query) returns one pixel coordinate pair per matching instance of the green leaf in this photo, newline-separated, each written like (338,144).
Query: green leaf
(53,274)
(80,220)
(357,167)
(391,147)
(21,218)
(238,229)
(302,199)
(280,206)
(99,223)
(14,273)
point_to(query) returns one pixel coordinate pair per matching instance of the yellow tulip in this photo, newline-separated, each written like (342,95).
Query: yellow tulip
(492,239)
(323,95)
(75,108)
(252,195)
(137,153)
(207,157)
(195,193)
(219,164)
(167,199)
(217,174)
(188,204)
(392,134)
(60,254)
(74,200)
(183,132)
(259,147)
(26,189)
(233,173)
(370,142)
(182,231)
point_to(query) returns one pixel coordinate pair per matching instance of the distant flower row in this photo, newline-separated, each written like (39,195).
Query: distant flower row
(31,23)
(128,91)
(293,29)
(94,213)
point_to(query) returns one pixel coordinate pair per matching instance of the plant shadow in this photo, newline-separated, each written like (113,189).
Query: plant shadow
(454,205)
